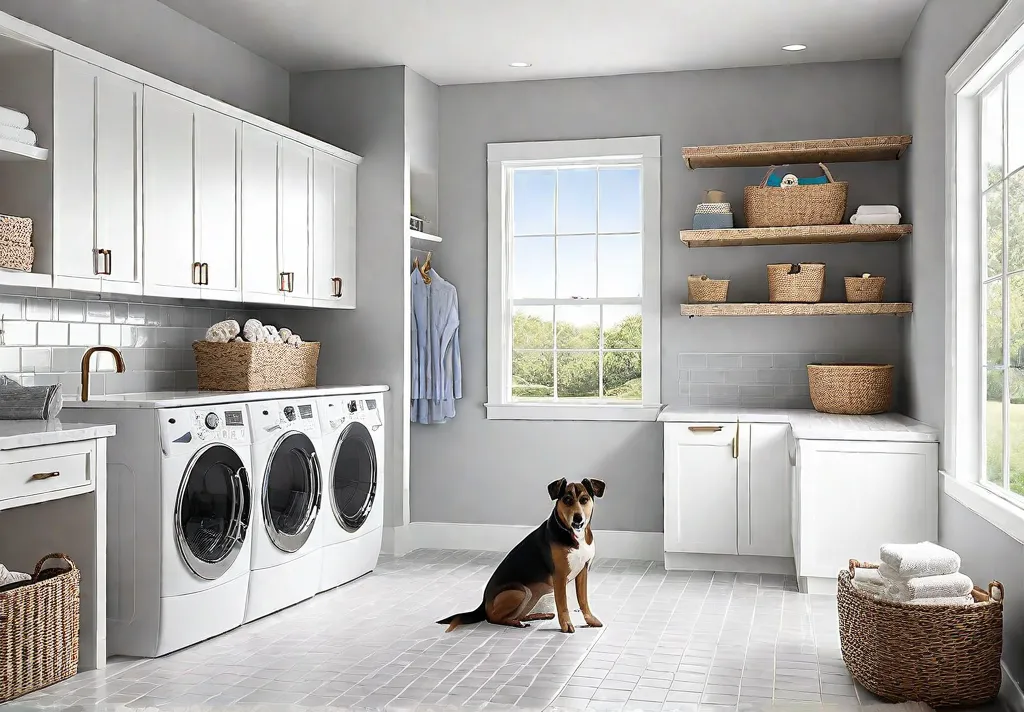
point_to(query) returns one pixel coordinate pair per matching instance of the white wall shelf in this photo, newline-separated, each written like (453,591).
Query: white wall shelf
(14,151)
(14,278)
(417,235)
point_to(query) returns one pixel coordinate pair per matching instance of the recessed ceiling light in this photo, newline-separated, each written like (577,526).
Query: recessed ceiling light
(520,65)
(795,48)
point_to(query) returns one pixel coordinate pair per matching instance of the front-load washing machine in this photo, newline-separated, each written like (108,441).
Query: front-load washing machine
(353,433)
(287,495)
(180,504)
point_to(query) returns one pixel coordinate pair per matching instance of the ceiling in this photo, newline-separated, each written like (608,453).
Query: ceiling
(467,41)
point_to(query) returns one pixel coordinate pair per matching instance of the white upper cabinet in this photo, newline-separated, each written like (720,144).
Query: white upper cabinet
(97,165)
(218,140)
(334,232)
(172,266)
(296,228)
(261,223)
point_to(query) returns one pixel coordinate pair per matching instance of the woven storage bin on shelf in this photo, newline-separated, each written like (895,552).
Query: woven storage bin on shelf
(864,289)
(850,389)
(796,205)
(943,656)
(703,290)
(18,230)
(14,255)
(238,366)
(803,283)
(39,630)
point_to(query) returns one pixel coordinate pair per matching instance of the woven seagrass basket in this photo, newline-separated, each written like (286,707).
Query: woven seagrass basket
(850,388)
(795,206)
(864,288)
(943,656)
(704,291)
(14,229)
(803,283)
(39,629)
(237,366)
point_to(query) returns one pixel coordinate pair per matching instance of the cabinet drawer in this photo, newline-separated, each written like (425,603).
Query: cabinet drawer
(710,434)
(43,475)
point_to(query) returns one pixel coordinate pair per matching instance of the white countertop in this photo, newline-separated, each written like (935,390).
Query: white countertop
(810,424)
(16,434)
(173,399)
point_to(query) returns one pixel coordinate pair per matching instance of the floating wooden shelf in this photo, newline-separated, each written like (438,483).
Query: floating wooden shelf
(417,235)
(778,309)
(825,234)
(836,150)
(14,151)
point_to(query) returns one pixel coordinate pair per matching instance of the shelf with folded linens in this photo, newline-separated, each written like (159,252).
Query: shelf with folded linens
(808,235)
(790,309)
(837,150)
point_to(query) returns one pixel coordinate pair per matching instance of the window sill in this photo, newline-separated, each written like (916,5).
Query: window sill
(1002,514)
(551,411)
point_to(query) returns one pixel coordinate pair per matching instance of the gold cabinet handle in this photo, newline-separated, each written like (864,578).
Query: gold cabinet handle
(197,273)
(736,444)
(108,258)
(336,281)
(291,281)
(45,475)
(105,267)
(204,273)
(705,428)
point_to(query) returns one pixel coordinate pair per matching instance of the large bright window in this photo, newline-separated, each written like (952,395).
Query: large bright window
(574,240)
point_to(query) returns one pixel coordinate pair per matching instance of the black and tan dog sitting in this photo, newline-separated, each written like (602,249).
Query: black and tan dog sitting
(558,551)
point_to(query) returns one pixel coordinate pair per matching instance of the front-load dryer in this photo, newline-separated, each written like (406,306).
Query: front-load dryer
(180,506)
(353,437)
(287,495)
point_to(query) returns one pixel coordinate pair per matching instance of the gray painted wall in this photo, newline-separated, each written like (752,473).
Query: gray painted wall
(473,470)
(363,110)
(422,137)
(945,30)
(150,35)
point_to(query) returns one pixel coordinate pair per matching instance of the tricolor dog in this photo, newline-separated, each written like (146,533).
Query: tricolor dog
(558,551)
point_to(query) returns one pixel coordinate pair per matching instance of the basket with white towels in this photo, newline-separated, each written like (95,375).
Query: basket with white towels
(14,127)
(923,574)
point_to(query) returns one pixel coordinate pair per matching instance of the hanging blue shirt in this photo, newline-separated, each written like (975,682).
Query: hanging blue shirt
(436,354)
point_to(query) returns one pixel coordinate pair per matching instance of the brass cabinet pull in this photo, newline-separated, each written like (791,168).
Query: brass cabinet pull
(736,444)
(291,281)
(109,258)
(204,273)
(106,266)
(45,475)
(287,282)
(197,273)
(705,428)
(336,281)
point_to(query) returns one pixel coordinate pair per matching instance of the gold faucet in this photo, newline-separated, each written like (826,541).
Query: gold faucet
(85,366)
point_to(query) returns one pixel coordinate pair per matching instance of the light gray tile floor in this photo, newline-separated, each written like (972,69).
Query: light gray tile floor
(671,641)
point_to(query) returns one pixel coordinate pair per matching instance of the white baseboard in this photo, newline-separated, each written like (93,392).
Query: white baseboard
(675,561)
(642,546)
(1010,693)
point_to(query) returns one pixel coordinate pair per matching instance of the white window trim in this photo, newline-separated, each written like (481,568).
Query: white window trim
(998,45)
(647,149)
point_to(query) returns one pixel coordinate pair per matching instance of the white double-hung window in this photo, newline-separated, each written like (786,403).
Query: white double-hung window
(574,279)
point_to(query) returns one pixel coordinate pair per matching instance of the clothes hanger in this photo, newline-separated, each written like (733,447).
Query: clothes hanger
(425,268)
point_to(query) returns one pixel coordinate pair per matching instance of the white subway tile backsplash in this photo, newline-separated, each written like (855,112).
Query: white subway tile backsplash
(52,333)
(98,312)
(724,360)
(136,314)
(35,360)
(70,311)
(38,309)
(12,307)
(155,360)
(10,360)
(119,312)
(110,335)
(84,334)
(19,333)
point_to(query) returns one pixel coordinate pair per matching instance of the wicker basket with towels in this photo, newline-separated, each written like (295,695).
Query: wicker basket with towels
(819,203)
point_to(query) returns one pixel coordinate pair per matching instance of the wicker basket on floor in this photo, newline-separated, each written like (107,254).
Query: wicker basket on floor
(242,366)
(941,655)
(706,291)
(802,283)
(850,388)
(864,288)
(39,629)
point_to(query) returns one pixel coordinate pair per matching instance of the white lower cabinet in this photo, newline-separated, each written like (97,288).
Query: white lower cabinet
(851,497)
(727,489)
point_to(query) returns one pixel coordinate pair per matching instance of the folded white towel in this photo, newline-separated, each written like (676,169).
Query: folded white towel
(910,589)
(869,588)
(9,577)
(19,135)
(924,559)
(875,219)
(964,601)
(877,209)
(868,577)
(10,117)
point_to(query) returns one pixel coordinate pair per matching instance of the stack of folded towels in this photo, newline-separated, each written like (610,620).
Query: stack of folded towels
(713,216)
(876,215)
(922,574)
(14,127)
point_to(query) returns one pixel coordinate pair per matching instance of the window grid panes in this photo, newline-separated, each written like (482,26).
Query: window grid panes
(1002,284)
(576,282)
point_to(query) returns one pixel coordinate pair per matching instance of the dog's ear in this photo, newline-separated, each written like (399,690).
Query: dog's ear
(556,489)
(595,487)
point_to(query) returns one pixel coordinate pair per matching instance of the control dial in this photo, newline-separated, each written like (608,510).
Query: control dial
(212,421)
(352,407)
(289,413)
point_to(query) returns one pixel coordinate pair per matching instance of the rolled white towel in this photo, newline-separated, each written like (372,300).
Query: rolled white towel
(12,118)
(869,581)
(961,601)
(875,219)
(877,209)
(923,559)
(911,589)
(8,577)
(18,135)
(223,331)
(253,331)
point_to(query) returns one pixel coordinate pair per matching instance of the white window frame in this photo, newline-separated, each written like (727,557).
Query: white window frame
(502,159)
(997,48)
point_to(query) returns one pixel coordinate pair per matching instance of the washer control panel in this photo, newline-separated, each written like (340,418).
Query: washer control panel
(189,427)
(298,415)
(340,411)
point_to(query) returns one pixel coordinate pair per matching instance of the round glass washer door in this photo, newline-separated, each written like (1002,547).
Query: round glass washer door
(291,492)
(211,515)
(353,477)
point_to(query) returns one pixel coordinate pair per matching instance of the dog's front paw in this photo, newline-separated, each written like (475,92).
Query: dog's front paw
(593,622)
(567,626)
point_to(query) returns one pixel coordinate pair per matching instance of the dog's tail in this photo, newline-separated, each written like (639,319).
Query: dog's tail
(464,618)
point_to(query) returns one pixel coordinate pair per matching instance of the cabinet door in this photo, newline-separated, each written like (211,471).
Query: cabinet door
(217,234)
(345,194)
(296,190)
(700,488)
(169,196)
(260,216)
(763,504)
(334,248)
(856,496)
(118,179)
(74,164)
